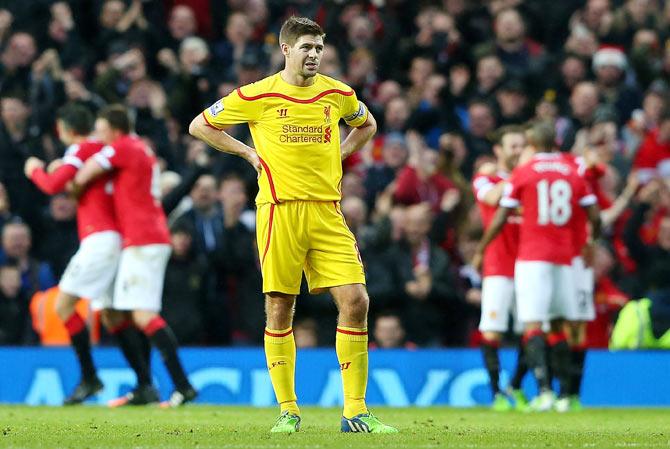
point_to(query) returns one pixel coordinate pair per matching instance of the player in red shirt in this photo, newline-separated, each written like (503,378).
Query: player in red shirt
(499,257)
(146,249)
(90,272)
(548,190)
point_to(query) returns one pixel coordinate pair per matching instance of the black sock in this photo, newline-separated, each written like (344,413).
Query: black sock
(578,358)
(146,348)
(81,343)
(536,358)
(561,364)
(166,343)
(130,341)
(492,363)
(521,367)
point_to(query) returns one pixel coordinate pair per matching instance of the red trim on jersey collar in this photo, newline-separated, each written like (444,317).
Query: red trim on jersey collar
(207,122)
(267,243)
(293,99)
(266,169)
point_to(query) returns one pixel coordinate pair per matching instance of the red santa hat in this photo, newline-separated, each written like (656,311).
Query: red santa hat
(610,56)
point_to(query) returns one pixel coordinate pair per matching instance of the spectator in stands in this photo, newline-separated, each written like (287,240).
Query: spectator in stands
(15,327)
(521,56)
(184,293)
(389,333)
(15,63)
(423,275)
(380,175)
(181,25)
(18,142)
(16,245)
(584,102)
(652,258)
(305,332)
(653,157)
(481,124)
(205,216)
(58,239)
(419,181)
(609,65)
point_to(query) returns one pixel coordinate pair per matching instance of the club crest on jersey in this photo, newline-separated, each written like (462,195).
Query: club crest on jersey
(216,108)
(326,114)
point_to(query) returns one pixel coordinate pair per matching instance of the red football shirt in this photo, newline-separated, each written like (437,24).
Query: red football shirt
(652,158)
(136,191)
(548,190)
(95,211)
(500,254)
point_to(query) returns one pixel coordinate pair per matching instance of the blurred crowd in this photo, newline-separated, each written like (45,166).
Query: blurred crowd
(439,76)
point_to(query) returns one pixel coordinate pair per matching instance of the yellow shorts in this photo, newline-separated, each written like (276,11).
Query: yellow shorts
(309,236)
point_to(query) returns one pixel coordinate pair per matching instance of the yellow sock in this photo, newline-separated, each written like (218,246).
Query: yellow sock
(280,356)
(351,345)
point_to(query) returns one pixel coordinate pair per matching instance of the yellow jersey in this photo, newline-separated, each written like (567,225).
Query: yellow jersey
(295,133)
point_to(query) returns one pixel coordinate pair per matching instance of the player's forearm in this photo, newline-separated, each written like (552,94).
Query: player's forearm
(611,214)
(54,183)
(499,220)
(218,139)
(357,138)
(596,222)
(492,197)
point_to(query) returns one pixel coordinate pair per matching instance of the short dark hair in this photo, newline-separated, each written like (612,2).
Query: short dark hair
(542,136)
(295,27)
(76,117)
(117,116)
(508,129)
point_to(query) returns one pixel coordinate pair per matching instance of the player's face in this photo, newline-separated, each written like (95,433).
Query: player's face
(511,149)
(64,133)
(304,57)
(103,132)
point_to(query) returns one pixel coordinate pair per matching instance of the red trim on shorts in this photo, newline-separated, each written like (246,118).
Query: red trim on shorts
(344,331)
(123,325)
(267,243)
(344,221)
(272,184)
(207,122)
(293,99)
(530,334)
(555,338)
(579,347)
(492,343)
(272,334)
(156,324)
(74,324)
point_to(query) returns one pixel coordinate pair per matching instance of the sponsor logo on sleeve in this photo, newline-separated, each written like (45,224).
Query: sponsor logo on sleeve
(216,108)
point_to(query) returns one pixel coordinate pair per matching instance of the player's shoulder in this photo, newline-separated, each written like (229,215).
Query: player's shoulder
(256,89)
(329,83)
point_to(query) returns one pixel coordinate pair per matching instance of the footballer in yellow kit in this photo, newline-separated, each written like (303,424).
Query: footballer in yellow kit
(296,135)
(293,117)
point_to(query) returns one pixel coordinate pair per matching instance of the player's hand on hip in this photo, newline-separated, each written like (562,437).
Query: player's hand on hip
(255,161)
(32,164)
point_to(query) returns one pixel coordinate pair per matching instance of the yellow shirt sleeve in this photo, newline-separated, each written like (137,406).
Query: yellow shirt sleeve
(232,110)
(354,112)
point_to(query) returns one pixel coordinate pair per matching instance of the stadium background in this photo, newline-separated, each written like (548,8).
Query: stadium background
(440,77)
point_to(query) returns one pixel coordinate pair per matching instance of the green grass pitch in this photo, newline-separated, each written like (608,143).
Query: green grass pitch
(241,427)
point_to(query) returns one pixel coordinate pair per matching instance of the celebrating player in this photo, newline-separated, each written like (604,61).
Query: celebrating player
(499,258)
(548,190)
(293,117)
(138,287)
(91,270)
